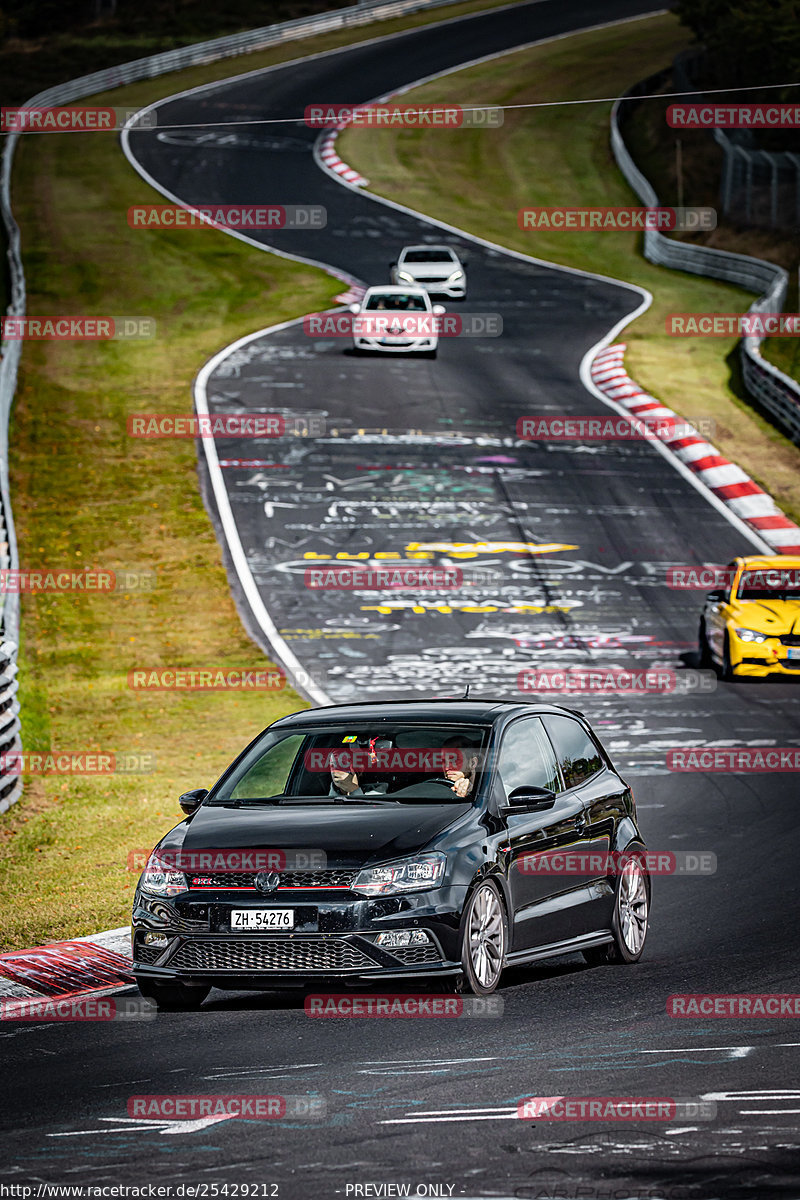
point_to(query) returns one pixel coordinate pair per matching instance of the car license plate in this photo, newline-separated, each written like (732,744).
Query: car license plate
(793,652)
(262,918)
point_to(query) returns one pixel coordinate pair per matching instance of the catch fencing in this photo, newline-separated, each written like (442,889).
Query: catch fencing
(776,392)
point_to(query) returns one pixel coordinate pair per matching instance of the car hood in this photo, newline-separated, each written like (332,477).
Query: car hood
(423,268)
(774,617)
(349,835)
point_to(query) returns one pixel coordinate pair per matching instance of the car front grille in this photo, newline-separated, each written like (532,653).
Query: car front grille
(790,664)
(790,639)
(432,278)
(295,880)
(148,954)
(308,954)
(411,955)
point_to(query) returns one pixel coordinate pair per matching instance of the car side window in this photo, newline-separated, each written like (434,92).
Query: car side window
(526,757)
(578,756)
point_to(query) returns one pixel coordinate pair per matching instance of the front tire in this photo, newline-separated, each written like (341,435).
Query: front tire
(484,938)
(728,672)
(630,921)
(173,997)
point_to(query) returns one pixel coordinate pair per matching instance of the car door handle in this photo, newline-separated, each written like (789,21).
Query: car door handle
(580,822)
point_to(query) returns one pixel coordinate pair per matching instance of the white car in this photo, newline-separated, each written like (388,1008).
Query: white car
(396,320)
(436,268)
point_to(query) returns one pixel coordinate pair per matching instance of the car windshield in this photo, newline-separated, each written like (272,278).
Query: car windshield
(362,763)
(396,302)
(776,583)
(441,254)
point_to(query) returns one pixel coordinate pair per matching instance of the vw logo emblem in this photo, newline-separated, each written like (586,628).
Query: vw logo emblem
(267,881)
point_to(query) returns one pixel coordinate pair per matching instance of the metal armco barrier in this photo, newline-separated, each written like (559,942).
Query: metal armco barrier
(779,394)
(65,93)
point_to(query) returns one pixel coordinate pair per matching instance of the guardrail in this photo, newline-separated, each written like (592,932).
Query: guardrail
(779,394)
(75,89)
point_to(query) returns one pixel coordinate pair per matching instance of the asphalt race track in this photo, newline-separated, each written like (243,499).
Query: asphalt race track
(564,549)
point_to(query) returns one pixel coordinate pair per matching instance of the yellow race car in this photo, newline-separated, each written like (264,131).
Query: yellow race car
(751,624)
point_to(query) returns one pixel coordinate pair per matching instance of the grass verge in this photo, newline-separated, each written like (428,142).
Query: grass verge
(478,180)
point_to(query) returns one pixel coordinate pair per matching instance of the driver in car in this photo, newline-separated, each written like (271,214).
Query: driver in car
(344,779)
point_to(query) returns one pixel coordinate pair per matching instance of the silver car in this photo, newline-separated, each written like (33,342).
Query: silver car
(396,320)
(436,268)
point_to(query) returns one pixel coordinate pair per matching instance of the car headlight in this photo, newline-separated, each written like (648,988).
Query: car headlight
(454,278)
(751,635)
(405,875)
(159,880)
(404,275)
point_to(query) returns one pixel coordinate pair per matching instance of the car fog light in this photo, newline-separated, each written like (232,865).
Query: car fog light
(156,939)
(402,937)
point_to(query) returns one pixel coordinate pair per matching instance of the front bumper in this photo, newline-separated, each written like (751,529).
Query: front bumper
(332,940)
(396,345)
(763,658)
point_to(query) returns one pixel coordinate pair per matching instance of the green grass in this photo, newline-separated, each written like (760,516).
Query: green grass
(478,180)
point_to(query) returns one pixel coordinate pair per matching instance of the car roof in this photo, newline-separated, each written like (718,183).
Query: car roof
(396,289)
(447,249)
(474,710)
(769,561)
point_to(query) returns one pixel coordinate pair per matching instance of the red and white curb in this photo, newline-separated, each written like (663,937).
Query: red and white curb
(99,962)
(331,161)
(729,483)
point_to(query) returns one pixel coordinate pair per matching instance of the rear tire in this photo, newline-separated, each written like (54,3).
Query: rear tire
(704,646)
(631,914)
(173,997)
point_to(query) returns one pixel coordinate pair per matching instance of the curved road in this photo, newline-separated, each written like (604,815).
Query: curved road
(423,455)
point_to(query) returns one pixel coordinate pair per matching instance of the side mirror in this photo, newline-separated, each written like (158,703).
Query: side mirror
(355,308)
(716,595)
(529,799)
(392,266)
(439,309)
(191,801)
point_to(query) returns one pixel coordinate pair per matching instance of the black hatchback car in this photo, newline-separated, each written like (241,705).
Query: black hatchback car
(381,841)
